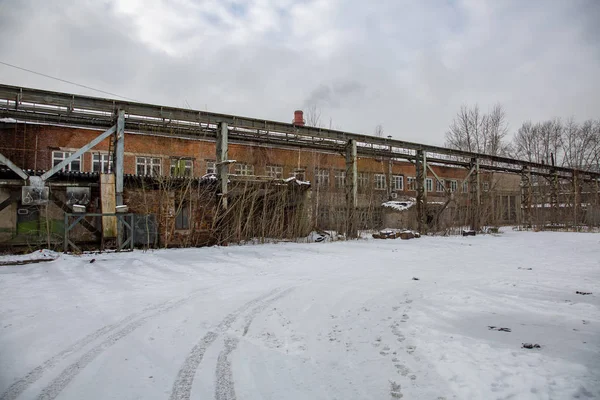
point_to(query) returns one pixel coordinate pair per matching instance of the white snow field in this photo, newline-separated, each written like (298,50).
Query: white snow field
(342,320)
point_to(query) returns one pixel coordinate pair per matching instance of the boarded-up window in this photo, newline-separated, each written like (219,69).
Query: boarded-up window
(181,167)
(182,219)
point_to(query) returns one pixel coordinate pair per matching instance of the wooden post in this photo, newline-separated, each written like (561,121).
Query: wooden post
(351,189)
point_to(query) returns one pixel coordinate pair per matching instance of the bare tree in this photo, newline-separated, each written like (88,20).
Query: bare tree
(378,131)
(581,144)
(476,132)
(494,132)
(313,116)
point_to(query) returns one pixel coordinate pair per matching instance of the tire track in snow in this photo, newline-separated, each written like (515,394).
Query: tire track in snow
(23,383)
(182,387)
(52,390)
(224,386)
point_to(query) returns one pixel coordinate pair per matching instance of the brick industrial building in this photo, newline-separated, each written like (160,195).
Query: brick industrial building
(350,176)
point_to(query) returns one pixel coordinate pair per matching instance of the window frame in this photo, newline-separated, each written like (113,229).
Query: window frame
(453,185)
(362,180)
(322,177)
(182,217)
(439,186)
(188,168)
(411,183)
(108,162)
(149,164)
(395,180)
(64,155)
(243,169)
(211,165)
(339,178)
(378,180)
(429,185)
(274,171)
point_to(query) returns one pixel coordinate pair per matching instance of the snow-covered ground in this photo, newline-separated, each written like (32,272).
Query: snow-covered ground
(342,320)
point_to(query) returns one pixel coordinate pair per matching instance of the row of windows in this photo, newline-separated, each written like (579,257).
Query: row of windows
(152,166)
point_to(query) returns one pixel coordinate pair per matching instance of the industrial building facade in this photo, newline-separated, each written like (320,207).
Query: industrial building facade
(39,147)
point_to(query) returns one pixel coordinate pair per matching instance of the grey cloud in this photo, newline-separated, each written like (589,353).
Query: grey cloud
(407,68)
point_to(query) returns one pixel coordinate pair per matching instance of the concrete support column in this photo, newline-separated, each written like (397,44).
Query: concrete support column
(119,154)
(526,196)
(554,197)
(576,199)
(475,195)
(420,176)
(351,189)
(222,162)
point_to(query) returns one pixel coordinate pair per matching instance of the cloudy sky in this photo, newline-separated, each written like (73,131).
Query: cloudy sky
(407,65)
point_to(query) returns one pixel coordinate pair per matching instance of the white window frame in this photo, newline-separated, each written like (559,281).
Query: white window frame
(453,186)
(58,156)
(104,162)
(299,174)
(243,169)
(322,177)
(465,187)
(152,166)
(397,182)
(429,185)
(211,167)
(362,179)
(188,167)
(340,178)
(379,182)
(274,171)
(439,186)
(411,182)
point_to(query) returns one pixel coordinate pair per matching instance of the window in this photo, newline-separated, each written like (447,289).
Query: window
(465,187)
(363,180)
(397,182)
(486,186)
(453,185)
(340,179)
(211,167)
(274,171)
(102,162)
(439,186)
(243,169)
(322,177)
(182,219)
(429,184)
(412,183)
(148,166)
(379,181)
(299,174)
(181,167)
(59,156)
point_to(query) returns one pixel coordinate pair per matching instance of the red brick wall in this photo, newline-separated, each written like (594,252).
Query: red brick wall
(31,146)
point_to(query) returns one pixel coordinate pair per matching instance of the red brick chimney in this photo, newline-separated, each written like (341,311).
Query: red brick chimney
(298,118)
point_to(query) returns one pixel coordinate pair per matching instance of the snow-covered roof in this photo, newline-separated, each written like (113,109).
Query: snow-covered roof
(402,205)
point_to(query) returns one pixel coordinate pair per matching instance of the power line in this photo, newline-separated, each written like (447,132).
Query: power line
(65,81)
